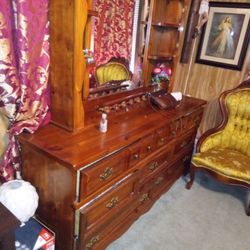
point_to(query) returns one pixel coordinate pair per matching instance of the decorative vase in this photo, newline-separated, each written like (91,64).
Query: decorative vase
(20,197)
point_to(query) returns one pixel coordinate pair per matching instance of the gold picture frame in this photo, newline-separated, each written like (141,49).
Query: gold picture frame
(225,37)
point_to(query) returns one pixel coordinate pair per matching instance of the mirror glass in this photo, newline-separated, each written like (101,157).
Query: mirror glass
(114,60)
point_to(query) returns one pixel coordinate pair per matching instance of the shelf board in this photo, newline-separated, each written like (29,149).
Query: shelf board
(166,25)
(92,13)
(161,57)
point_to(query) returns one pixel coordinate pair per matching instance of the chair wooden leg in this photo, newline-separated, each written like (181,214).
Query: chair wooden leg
(248,210)
(192,175)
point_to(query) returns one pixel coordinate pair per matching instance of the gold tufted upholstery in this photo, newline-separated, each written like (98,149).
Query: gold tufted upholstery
(225,151)
(4,123)
(112,71)
(228,162)
(236,134)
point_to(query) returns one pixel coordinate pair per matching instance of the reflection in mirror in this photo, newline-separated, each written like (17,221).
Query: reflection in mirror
(113,55)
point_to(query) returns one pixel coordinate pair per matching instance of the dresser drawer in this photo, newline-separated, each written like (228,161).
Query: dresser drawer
(175,128)
(148,145)
(101,233)
(195,119)
(99,237)
(164,180)
(185,142)
(157,161)
(102,173)
(161,136)
(110,203)
(135,153)
(192,120)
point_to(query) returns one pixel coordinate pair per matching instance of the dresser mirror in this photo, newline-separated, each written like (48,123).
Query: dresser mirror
(114,45)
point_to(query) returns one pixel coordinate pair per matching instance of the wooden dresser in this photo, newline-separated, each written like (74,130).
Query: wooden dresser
(93,186)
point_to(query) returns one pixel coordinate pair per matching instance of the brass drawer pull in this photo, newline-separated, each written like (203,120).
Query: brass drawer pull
(113,202)
(173,133)
(159,180)
(153,166)
(92,242)
(144,197)
(197,119)
(149,148)
(162,139)
(106,174)
(136,156)
(183,144)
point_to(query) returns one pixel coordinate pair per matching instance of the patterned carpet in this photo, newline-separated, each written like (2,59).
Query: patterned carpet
(209,216)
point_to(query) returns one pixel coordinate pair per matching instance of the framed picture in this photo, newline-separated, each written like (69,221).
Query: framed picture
(225,37)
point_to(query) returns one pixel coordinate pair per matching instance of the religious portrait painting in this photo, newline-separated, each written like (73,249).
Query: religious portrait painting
(225,38)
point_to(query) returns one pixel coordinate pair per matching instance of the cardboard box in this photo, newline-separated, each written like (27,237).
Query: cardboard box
(34,235)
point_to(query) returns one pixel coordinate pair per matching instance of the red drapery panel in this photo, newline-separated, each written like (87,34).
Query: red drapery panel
(113,29)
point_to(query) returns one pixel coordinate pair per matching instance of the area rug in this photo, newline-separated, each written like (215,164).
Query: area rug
(209,216)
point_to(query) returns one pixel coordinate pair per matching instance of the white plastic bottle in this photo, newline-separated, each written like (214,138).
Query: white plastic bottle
(104,123)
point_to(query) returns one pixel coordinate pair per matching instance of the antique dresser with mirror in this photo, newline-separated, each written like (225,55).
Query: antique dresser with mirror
(92,186)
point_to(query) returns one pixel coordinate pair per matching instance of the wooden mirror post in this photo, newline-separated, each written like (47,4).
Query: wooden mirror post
(67,24)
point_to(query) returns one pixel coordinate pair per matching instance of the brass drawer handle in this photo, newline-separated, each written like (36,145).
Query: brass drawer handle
(144,197)
(183,144)
(113,202)
(159,180)
(153,166)
(149,148)
(197,119)
(136,156)
(106,174)
(173,133)
(92,242)
(162,139)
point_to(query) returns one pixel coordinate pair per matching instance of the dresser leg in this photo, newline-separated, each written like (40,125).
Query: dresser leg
(192,175)
(248,209)
(7,242)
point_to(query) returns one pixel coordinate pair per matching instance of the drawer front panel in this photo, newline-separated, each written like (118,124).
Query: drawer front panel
(110,204)
(162,136)
(184,142)
(192,120)
(152,166)
(166,178)
(102,173)
(175,128)
(99,236)
(148,145)
(195,119)
(135,153)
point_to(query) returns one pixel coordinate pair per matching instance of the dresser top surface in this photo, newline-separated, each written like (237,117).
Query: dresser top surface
(86,146)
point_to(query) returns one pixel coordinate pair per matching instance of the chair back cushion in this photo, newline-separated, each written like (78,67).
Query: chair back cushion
(236,133)
(112,71)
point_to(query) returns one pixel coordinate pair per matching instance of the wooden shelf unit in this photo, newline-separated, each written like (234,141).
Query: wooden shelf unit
(162,36)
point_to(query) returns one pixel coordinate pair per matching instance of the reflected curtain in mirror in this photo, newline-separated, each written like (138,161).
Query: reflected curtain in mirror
(113,29)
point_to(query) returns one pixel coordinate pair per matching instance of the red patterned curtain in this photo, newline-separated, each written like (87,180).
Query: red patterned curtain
(113,29)
(24,71)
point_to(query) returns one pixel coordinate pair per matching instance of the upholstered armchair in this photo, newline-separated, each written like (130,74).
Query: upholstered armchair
(224,151)
(114,70)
